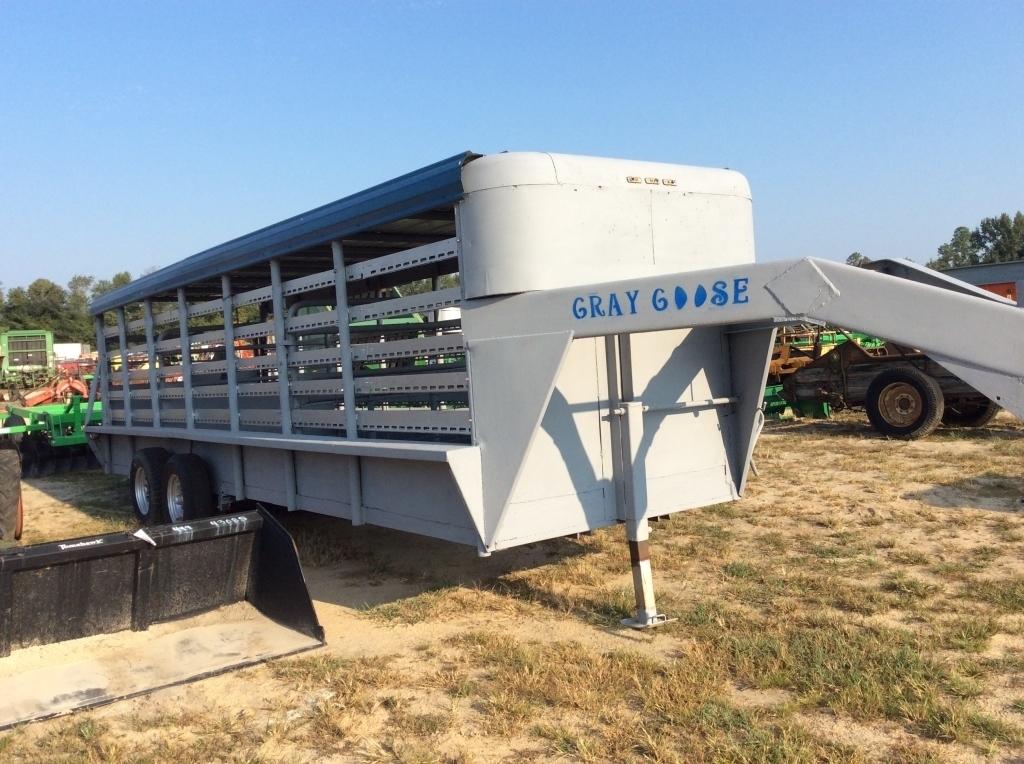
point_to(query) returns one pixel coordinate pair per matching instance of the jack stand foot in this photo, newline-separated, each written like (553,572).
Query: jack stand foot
(648,623)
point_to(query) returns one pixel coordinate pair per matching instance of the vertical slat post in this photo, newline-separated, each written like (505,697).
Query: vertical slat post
(126,377)
(344,341)
(103,373)
(186,359)
(281,346)
(348,379)
(154,387)
(231,371)
(229,350)
(281,355)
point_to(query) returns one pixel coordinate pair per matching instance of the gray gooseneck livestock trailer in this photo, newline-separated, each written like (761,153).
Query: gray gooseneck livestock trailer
(599,358)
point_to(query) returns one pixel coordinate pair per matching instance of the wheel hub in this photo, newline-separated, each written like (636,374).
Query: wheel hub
(175,499)
(140,487)
(900,403)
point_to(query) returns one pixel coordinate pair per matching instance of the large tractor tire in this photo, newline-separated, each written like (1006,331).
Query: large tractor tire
(11,508)
(188,489)
(977,414)
(146,478)
(23,443)
(905,403)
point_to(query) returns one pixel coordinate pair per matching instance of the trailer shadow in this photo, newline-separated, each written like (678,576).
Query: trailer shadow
(853,425)
(847,425)
(993,492)
(361,567)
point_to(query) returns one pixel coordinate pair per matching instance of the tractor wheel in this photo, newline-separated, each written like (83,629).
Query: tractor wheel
(187,488)
(46,456)
(904,402)
(973,414)
(23,442)
(29,462)
(10,491)
(147,481)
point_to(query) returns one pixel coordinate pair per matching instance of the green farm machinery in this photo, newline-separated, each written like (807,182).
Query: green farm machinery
(26,358)
(796,347)
(52,436)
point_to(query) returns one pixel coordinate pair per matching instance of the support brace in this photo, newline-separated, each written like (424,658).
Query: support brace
(637,525)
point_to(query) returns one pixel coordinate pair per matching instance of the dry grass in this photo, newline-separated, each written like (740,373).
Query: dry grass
(864,602)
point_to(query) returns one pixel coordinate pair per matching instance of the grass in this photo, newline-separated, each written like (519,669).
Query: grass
(1005,594)
(837,613)
(970,634)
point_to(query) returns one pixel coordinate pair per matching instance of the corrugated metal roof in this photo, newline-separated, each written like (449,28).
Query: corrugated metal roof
(989,273)
(425,189)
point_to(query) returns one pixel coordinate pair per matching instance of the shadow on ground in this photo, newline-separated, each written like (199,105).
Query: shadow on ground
(991,491)
(366,566)
(856,425)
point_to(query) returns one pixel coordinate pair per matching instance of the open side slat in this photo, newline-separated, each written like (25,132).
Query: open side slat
(436,252)
(403,306)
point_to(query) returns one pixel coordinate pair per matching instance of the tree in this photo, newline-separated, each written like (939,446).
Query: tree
(79,323)
(1001,238)
(46,305)
(961,250)
(103,286)
(857,260)
(995,240)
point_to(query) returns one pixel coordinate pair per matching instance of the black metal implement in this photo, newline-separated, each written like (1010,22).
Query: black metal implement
(104,584)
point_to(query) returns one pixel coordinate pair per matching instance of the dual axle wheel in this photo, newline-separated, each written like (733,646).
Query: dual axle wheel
(170,488)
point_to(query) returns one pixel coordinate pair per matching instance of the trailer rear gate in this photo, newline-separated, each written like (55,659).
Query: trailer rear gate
(600,357)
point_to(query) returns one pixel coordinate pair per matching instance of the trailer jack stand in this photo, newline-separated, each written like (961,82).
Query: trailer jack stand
(647,615)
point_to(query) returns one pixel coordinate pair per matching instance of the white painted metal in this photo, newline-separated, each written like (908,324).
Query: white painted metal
(428,254)
(341,313)
(611,333)
(542,221)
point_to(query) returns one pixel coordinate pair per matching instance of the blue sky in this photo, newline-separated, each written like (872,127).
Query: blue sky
(134,134)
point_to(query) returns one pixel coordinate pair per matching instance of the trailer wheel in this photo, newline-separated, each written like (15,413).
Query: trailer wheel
(974,414)
(146,476)
(904,402)
(10,491)
(187,488)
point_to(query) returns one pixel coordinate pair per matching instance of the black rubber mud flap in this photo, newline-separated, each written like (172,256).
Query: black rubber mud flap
(120,581)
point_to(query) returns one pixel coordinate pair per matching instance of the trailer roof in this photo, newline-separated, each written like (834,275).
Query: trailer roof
(427,190)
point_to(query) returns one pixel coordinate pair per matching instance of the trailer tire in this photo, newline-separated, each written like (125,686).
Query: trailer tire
(188,490)
(904,402)
(10,491)
(146,478)
(977,414)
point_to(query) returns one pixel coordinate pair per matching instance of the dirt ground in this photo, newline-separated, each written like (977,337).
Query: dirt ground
(864,602)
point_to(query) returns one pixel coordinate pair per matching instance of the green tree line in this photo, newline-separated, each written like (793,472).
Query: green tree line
(994,240)
(64,310)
